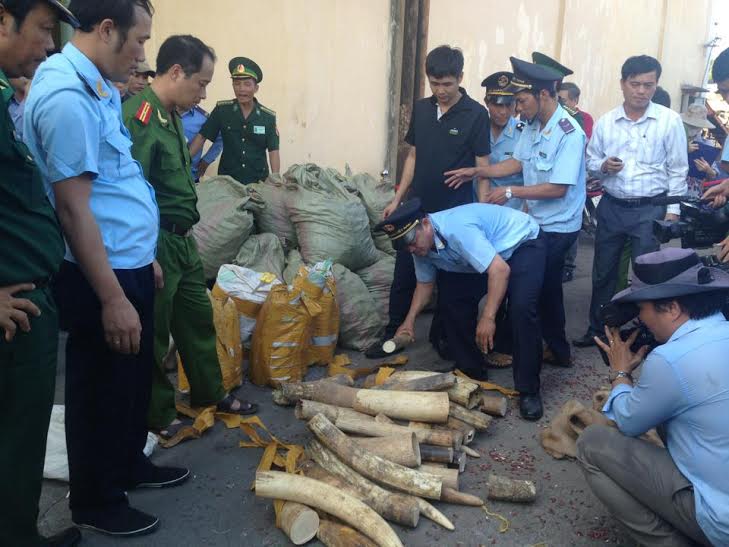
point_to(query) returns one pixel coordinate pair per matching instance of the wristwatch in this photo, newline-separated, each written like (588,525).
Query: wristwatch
(508,192)
(620,374)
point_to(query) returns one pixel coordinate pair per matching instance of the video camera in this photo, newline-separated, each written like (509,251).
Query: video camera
(700,226)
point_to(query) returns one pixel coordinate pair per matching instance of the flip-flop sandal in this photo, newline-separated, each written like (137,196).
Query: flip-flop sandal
(171,430)
(226,405)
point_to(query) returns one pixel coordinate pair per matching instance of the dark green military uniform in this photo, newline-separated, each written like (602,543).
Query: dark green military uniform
(182,307)
(245,140)
(31,251)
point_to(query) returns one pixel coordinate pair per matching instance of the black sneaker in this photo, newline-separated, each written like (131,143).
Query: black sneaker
(70,537)
(122,522)
(530,406)
(161,477)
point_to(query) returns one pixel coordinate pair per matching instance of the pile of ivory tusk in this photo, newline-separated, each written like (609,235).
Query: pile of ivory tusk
(383,453)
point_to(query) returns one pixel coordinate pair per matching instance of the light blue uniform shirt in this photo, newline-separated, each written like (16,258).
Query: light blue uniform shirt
(470,236)
(725,152)
(684,386)
(557,155)
(192,122)
(502,149)
(73,126)
(15,109)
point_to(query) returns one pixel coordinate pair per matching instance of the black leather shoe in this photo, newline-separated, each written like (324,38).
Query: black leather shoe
(481,374)
(375,351)
(68,538)
(584,341)
(123,522)
(161,477)
(530,406)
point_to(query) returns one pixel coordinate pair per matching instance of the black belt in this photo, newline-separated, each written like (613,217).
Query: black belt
(633,202)
(174,228)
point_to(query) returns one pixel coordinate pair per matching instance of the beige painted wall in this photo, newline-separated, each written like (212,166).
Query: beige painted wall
(596,38)
(325,64)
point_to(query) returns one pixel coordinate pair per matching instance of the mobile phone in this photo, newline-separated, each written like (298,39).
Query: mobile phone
(615,158)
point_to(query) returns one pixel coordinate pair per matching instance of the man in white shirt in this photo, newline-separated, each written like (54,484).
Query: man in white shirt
(639,151)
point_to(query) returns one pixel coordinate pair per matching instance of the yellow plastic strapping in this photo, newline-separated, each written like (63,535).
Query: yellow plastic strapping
(383,374)
(505,524)
(488,385)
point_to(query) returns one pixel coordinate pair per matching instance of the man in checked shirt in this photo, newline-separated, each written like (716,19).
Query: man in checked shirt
(639,151)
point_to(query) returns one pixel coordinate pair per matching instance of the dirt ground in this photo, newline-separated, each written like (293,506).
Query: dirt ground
(217,508)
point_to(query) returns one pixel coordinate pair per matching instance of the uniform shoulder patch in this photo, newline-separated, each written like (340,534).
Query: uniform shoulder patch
(144,114)
(229,101)
(267,110)
(566,125)
(520,126)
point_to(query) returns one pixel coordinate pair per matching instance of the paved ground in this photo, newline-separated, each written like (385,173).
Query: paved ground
(217,508)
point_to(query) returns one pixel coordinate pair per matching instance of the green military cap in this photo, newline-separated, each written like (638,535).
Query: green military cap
(243,67)
(497,87)
(64,14)
(545,60)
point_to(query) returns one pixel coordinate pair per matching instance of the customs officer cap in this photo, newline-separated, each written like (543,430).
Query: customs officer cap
(669,273)
(531,76)
(545,60)
(497,88)
(400,225)
(242,67)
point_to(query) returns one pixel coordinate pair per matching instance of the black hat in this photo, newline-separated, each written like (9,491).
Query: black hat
(64,14)
(545,60)
(531,76)
(242,67)
(400,225)
(669,273)
(497,87)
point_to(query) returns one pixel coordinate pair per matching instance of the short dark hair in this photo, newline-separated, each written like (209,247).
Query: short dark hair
(20,9)
(92,12)
(662,97)
(697,306)
(184,50)
(444,61)
(572,90)
(720,70)
(640,64)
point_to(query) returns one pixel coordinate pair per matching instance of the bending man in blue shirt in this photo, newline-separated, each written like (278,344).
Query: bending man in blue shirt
(680,495)
(495,251)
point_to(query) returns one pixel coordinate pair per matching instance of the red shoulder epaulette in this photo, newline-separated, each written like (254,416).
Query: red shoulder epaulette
(144,114)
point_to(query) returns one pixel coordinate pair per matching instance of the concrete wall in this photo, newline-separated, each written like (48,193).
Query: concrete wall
(592,37)
(325,65)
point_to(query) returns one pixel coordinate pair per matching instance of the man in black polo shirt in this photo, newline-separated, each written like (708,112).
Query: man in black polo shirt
(448,130)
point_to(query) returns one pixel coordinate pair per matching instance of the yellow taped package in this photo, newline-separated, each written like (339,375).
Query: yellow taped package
(227,344)
(281,335)
(324,326)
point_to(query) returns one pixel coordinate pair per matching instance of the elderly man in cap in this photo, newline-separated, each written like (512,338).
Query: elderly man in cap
(494,251)
(31,252)
(505,132)
(247,127)
(551,155)
(678,495)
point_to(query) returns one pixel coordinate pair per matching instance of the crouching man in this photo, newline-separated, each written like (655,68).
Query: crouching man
(678,495)
(490,250)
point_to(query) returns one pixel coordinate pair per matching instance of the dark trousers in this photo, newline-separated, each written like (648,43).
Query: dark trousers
(27,384)
(570,259)
(525,288)
(616,224)
(401,292)
(551,302)
(107,393)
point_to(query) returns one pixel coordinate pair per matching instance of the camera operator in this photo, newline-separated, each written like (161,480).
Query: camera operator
(677,496)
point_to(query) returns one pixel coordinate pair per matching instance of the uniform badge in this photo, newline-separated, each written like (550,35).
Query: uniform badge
(566,125)
(259,129)
(240,69)
(520,126)
(453,131)
(503,80)
(144,113)
(100,89)
(542,155)
(389,228)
